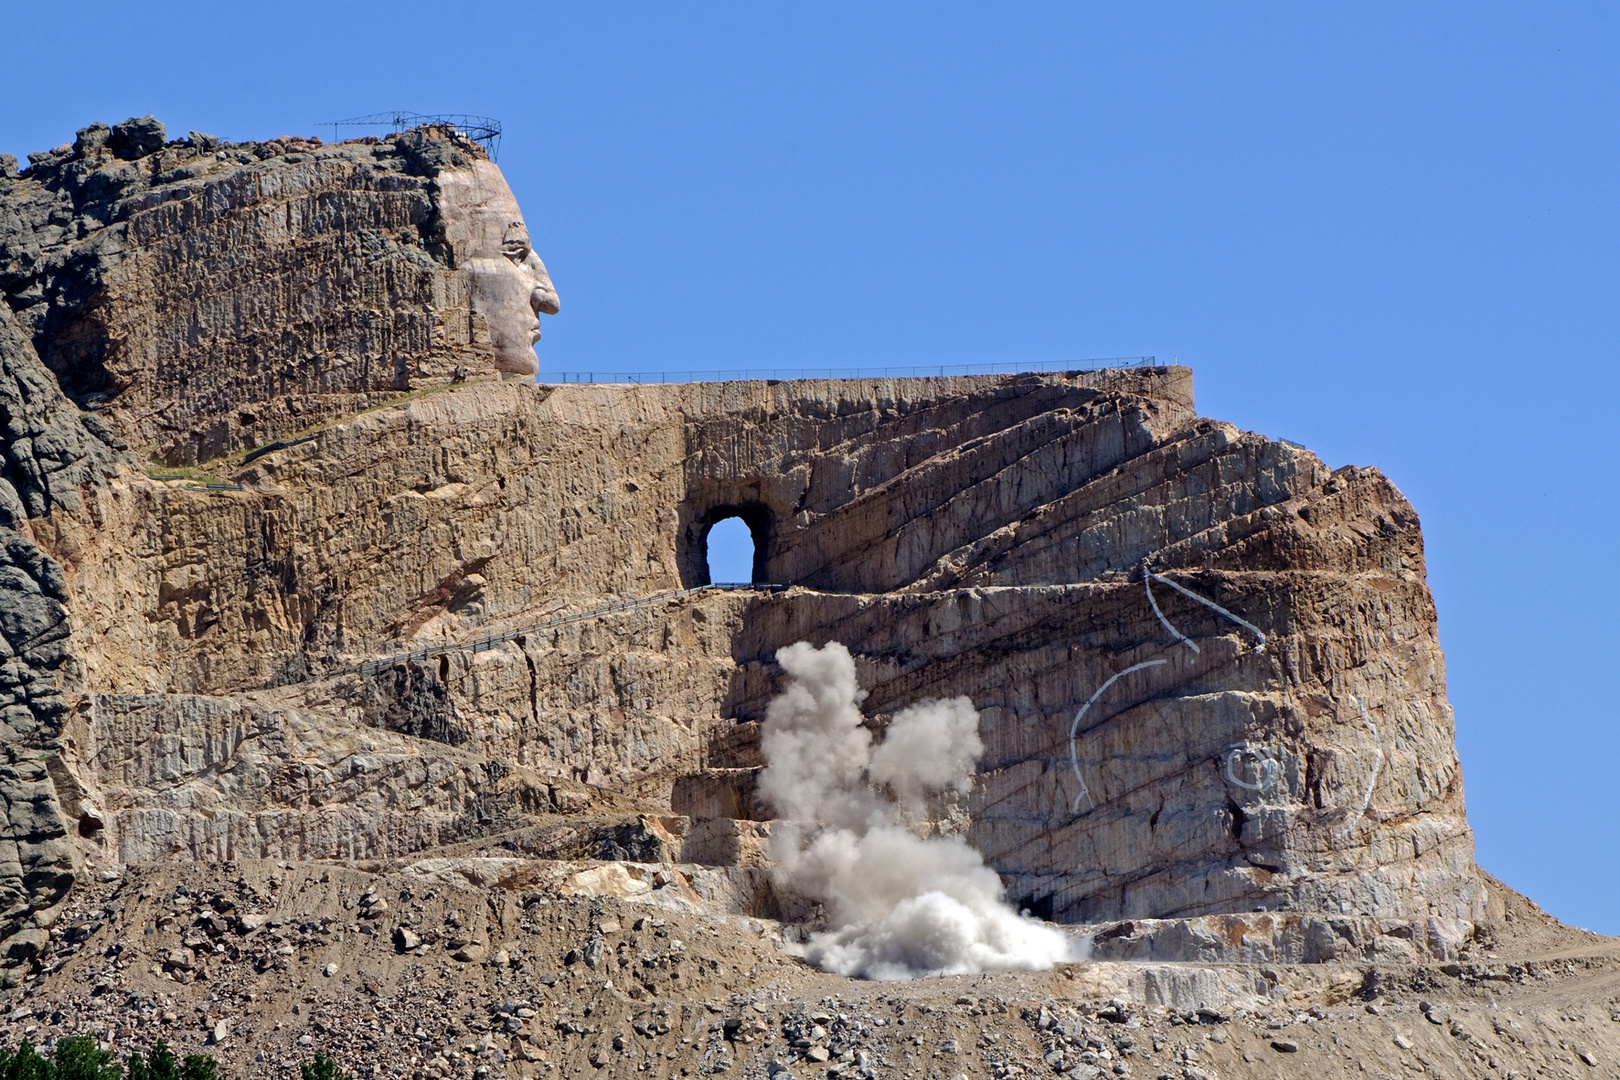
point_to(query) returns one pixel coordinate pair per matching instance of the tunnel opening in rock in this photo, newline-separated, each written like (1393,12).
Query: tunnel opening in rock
(729,545)
(730,551)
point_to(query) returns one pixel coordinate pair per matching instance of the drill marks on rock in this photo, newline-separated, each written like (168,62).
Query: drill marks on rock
(1266,767)
(1372,781)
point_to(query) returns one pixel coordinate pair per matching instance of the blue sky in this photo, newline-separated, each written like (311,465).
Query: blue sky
(1387,231)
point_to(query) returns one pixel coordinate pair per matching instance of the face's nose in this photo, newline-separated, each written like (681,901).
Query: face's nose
(544,297)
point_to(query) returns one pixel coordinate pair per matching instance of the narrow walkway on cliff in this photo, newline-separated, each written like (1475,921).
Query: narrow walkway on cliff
(923,371)
(424,653)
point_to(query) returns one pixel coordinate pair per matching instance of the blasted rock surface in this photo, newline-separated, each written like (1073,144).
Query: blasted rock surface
(1222,780)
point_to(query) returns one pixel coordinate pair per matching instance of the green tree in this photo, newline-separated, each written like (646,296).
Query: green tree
(323,1068)
(24,1064)
(200,1067)
(160,1064)
(78,1058)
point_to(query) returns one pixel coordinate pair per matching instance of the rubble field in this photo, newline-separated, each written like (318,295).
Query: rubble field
(427,972)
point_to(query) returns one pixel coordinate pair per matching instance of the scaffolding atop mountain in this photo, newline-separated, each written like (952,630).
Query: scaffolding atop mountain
(485,130)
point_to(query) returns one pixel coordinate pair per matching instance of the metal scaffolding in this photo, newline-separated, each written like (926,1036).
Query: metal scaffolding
(485,130)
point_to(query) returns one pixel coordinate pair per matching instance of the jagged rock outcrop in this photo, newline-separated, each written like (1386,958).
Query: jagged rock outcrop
(1268,731)
(39,680)
(50,448)
(49,453)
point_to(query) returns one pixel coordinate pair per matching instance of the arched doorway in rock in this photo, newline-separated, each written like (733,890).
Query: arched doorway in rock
(729,544)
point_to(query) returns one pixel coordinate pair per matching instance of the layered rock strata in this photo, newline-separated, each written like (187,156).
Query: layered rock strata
(1268,731)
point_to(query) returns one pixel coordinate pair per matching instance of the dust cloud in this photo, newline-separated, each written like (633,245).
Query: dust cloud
(898,905)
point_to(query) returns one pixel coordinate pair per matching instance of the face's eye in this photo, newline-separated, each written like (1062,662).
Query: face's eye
(515,244)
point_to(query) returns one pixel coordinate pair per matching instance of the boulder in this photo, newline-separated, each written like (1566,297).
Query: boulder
(136,137)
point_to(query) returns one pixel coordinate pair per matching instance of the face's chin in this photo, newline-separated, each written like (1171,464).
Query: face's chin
(516,359)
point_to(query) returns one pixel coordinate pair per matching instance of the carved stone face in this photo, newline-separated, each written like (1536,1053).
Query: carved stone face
(510,286)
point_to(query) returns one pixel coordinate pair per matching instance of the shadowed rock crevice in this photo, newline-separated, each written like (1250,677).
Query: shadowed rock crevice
(408,700)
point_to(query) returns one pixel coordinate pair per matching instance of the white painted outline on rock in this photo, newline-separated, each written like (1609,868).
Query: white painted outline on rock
(1265,765)
(1147,586)
(1269,774)
(1074,729)
(1212,605)
(1378,764)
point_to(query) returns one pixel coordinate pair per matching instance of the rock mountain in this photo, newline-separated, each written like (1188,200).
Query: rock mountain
(295,572)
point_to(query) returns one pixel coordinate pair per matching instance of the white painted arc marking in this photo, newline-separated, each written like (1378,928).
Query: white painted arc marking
(1147,585)
(1265,767)
(1378,764)
(1183,590)
(1074,758)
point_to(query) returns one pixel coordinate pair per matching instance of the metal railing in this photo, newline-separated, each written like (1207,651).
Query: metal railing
(785,374)
(167,475)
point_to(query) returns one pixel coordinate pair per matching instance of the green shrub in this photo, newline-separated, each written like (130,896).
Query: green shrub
(160,1064)
(200,1067)
(323,1068)
(78,1058)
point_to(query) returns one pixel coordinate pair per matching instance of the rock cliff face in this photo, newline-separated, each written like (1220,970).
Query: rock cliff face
(1207,666)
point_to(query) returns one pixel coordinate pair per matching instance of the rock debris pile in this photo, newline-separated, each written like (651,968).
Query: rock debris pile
(279,966)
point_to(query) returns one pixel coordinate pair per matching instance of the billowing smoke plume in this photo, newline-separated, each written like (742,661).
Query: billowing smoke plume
(898,906)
